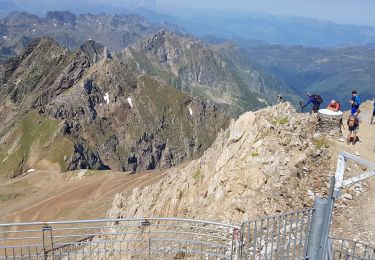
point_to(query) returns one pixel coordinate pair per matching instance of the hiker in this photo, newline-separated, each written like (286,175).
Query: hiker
(279,99)
(334,106)
(373,113)
(355,101)
(315,99)
(353,125)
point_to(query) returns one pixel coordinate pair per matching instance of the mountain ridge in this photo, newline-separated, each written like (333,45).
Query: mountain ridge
(205,71)
(18,29)
(95,113)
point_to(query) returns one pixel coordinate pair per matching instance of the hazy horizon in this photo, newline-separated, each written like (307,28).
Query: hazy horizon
(338,11)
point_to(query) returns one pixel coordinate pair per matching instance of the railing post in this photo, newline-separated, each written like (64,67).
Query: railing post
(316,230)
(333,194)
(146,223)
(47,232)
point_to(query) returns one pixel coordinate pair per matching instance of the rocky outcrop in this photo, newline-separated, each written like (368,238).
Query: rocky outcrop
(85,158)
(266,162)
(43,71)
(95,51)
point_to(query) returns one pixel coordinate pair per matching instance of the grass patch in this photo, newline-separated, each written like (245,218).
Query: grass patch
(197,174)
(255,154)
(64,147)
(10,196)
(280,121)
(30,129)
(321,143)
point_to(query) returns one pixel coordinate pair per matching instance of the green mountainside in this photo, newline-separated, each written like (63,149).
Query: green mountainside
(83,110)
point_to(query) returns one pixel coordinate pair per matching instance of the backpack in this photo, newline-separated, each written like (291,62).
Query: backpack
(318,98)
(357,101)
(355,119)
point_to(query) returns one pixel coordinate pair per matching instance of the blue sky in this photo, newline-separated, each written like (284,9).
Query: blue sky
(360,12)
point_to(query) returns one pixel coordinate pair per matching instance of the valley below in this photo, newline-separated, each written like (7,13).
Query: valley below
(50,195)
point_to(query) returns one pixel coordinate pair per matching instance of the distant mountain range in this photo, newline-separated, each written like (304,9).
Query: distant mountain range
(332,72)
(219,73)
(240,26)
(285,30)
(239,75)
(114,31)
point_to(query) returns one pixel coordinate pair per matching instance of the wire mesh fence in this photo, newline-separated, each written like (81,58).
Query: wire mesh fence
(343,249)
(278,237)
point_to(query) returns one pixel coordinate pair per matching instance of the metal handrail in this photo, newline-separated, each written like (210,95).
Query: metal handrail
(41,223)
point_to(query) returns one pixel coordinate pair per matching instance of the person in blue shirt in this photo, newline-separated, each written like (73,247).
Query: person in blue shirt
(315,99)
(355,101)
(373,113)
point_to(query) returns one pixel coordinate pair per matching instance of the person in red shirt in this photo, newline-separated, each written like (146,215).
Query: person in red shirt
(334,106)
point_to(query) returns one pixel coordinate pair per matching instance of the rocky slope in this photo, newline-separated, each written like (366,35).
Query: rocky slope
(82,109)
(218,73)
(267,162)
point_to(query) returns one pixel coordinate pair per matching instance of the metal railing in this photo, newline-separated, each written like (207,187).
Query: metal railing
(151,238)
(278,237)
(286,236)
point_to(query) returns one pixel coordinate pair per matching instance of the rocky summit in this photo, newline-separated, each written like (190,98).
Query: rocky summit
(83,110)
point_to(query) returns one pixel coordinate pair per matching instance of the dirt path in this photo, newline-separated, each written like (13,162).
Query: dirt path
(48,195)
(359,216)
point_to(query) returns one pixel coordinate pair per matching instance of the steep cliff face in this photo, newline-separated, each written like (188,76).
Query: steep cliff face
(219,74)
(102,115)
